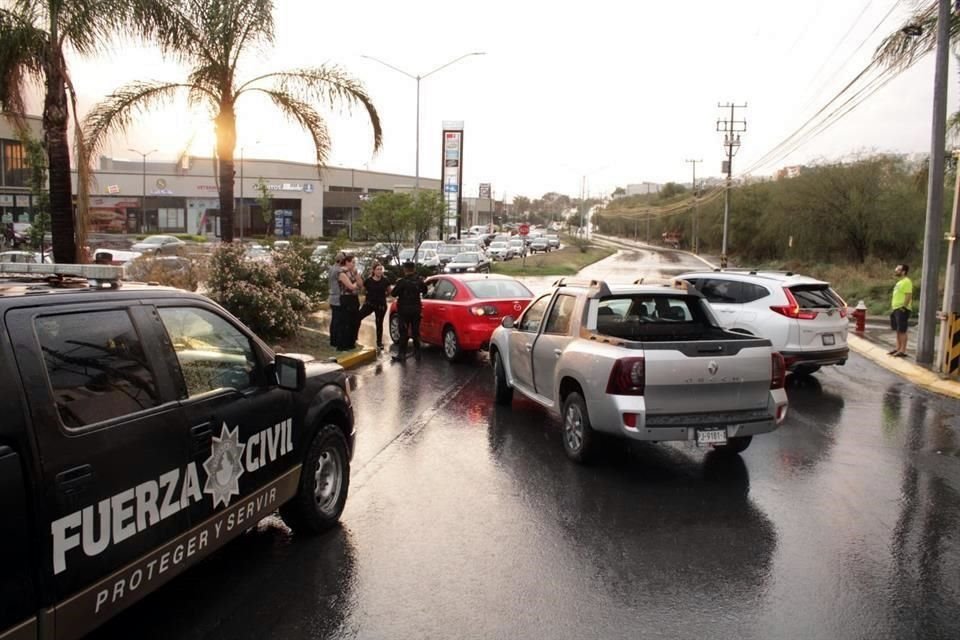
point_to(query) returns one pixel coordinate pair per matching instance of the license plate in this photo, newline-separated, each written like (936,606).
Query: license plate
(829,339)
(711,436)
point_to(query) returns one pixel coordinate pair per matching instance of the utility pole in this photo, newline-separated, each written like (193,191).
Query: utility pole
(934,225)
(731,129)
(696,208)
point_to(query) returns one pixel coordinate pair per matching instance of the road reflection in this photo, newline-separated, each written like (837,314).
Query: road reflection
(246,590)
(664,528)
(808,435)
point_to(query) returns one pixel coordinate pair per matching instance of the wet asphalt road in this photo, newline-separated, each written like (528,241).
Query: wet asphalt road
(465,520)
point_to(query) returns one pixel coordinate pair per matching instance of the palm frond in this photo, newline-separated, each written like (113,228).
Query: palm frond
(253,22)
(307,117)
(22,54)
(329,85)
(914,39)
(116,112)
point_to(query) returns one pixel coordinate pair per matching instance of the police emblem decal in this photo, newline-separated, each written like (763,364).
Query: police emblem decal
(224,467)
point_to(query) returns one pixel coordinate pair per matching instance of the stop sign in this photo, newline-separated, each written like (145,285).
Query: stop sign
(524,229)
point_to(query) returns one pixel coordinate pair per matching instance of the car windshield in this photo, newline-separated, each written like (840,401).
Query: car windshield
(499,245)
(815,296)
(648,315)
(154,240)
(406,254)
(470,258)
(449,250)
(498,289)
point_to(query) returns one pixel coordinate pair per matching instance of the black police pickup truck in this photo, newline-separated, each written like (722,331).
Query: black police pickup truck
(142,428)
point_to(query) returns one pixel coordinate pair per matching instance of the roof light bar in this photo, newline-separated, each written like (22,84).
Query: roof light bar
(94,272)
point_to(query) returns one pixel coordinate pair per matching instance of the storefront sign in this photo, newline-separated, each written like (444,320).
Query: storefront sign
(207,187)
(291,186)
(23,201)
(6,200)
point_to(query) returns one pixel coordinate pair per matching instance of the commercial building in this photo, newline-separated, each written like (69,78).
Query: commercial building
(15,199)
(135,196)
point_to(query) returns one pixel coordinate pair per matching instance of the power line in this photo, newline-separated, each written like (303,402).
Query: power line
(731,129)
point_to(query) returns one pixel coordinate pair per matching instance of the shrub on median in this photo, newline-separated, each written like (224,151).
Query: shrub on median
(273,299)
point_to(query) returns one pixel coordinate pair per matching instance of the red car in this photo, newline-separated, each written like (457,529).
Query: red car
(461,311)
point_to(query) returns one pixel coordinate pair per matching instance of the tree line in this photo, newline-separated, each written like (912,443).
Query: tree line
(840,212)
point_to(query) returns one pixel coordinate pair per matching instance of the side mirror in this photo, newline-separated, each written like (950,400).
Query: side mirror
(291,373)
(507,322)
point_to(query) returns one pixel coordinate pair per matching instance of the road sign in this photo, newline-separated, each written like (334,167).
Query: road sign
(524,229)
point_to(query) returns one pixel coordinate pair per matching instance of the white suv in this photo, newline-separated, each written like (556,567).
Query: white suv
(803,317)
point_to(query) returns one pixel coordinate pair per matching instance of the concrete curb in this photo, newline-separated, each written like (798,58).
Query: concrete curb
(354,360)
(913,372)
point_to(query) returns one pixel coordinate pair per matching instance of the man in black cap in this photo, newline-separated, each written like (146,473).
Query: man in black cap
(407,291)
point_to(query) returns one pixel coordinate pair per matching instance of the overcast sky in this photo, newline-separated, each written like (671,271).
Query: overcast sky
(620,92)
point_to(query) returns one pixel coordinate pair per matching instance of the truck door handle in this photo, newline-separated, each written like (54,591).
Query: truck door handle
(528,347)
(200,437)
(557,352)
(74,480)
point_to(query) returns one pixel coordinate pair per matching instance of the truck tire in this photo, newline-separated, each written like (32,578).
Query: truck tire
(734,445)
(577,433)
(324,482)
(502,392)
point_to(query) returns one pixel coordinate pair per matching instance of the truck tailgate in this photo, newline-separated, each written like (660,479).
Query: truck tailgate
(700,377)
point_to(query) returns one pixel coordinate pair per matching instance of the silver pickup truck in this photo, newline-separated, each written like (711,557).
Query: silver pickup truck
(642,361)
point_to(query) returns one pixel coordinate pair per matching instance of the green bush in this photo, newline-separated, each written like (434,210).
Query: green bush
(273,299)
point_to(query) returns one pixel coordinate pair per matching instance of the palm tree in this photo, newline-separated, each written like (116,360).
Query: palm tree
(916,38)
(35,36)
(213,36)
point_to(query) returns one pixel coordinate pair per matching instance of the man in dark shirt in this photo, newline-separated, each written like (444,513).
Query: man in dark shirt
(407,291)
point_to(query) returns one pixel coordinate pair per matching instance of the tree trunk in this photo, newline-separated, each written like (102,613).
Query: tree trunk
(226,143)
(56,143)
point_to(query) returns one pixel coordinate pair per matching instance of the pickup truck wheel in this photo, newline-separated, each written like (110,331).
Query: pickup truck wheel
(451,345)
(577,433)
(502,392)
(735,445)
(324,481)
(394,328)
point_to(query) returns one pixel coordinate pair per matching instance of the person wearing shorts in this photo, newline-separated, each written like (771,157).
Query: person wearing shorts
(901,302)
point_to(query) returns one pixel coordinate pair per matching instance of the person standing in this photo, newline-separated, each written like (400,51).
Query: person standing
(377,286)
(333,282)
(901,303)
(349,304)
(407,291)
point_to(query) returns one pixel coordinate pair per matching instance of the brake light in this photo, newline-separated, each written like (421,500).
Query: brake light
(628,377)
(778,371)
(484,310)
(792,308)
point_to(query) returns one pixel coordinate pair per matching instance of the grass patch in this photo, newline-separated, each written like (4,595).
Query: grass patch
(567,261)
(312,339)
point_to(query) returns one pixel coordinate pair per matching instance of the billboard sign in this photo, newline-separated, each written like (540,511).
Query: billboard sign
(485,190)
(452,172)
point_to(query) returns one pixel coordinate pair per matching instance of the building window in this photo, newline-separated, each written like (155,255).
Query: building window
(14,165)
(172,220)
(379,190)
(347,189)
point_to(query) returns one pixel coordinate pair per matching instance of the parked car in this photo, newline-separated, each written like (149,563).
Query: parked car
(117,257)
(628,360)
(426,258)
(24,257)
(258,253)
(539,244)
(448,252)
(460,312)
(803,317)
(143,429)
(166,245)
(553,242)
(519,247)
(321,253)
(430,245)
(500,251)
(468,262)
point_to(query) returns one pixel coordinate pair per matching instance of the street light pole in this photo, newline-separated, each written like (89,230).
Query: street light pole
(143,192)
(418,78)
(934,220)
